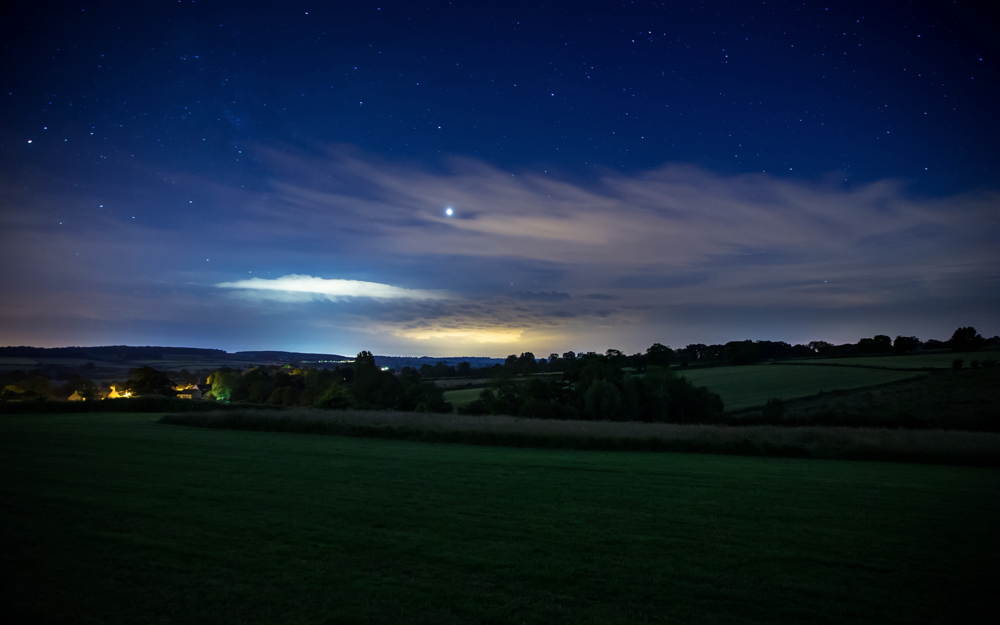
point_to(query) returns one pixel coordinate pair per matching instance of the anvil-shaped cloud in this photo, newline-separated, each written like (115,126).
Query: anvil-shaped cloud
(295,286)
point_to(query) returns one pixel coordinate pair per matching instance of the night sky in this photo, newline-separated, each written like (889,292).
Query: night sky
(454,178)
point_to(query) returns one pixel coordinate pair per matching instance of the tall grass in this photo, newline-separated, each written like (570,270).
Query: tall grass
(926,446)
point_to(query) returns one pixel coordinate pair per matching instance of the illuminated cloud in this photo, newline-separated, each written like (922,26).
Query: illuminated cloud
(330,288)
(485,335)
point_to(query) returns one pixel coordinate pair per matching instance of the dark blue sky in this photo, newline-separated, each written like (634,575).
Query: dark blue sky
(618,174)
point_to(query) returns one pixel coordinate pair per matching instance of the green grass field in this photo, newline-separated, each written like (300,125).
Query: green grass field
(915,361)
(753,385)
(114,518)
(462,396)
(749,386)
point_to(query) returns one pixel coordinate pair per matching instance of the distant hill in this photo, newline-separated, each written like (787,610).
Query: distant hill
(396,362)
(117,352)
(156,352)
(272,356)
(150,352)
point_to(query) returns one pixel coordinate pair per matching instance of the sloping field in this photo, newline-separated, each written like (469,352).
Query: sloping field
(114,518)
(176,364)
(753,385)
(13,362)
(463,396)
(30,363)
(915,361)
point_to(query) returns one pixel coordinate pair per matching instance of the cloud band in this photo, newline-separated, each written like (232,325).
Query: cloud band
(331,288)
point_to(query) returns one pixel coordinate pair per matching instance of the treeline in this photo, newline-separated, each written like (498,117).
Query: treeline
(609,386)
(360,385)
(964,339)
(54,381)
(597,387)
(41,384)
(592,386)
(747,352)
(274,356)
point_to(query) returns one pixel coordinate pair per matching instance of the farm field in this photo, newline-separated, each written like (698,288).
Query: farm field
(753,385)
(8,362)
(110,518)
(916,361)
(456,383)
(463,396)
(106,371)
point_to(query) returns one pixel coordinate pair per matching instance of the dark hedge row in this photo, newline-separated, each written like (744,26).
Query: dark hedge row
(148,403)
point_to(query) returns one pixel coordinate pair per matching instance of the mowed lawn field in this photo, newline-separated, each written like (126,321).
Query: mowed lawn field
(114,518)
(753,385)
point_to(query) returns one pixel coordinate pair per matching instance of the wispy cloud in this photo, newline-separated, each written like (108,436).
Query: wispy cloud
(700,236)
(550,296)
(329,288)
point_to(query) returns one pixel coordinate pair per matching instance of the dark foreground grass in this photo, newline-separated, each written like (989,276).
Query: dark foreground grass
(115,518)
(840,443)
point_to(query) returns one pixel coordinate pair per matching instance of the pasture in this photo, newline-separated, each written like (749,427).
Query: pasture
(941,360)
(463,396)
(105,371)
(752,385)
(115,518)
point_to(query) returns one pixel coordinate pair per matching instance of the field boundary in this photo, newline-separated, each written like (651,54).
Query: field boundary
(834,393)
(853,366)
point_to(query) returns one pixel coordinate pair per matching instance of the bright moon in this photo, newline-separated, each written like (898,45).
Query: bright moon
(448,211)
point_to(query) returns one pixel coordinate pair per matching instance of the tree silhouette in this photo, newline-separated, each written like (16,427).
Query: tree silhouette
(659,355)
(966,340)
(148,381)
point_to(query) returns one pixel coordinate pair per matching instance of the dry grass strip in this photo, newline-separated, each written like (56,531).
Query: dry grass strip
(927,446)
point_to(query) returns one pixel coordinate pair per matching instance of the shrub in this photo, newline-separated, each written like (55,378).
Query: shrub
(541,409)
(476,408)
(335,397)
(774,410)
(602,401)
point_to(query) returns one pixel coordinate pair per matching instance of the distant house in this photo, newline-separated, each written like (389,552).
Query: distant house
(75,396)
(191,391)
(114,394)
